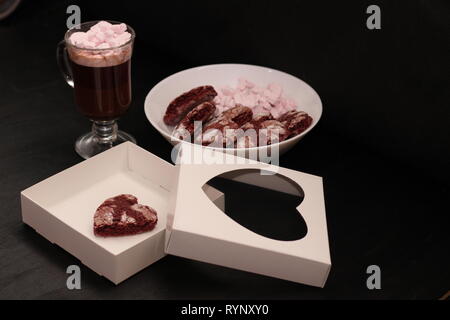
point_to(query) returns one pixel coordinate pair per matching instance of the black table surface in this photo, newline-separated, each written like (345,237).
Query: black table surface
(379,211)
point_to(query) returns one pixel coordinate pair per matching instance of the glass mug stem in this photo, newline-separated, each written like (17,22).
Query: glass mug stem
(105,132)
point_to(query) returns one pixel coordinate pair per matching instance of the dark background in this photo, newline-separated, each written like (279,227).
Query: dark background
(382,145)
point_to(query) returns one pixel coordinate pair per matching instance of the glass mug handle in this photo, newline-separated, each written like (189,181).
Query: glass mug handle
(63,62)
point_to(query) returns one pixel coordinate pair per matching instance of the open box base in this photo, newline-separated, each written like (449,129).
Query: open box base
(61,209)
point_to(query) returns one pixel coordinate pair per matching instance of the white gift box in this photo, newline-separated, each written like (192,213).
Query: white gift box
(61,208)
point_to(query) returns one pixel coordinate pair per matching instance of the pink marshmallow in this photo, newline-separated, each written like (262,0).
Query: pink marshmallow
(78,38)
(100,36)
(103,35)
(123,38)
(112,43)
(275,89)
(103,45)
(109,34)
(261,100)
(227,91)
(95,28)
(104,25)
(89,45)
(119,28)
(243,84)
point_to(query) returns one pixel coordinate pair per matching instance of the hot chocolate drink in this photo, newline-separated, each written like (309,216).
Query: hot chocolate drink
(101,68)
(102,93)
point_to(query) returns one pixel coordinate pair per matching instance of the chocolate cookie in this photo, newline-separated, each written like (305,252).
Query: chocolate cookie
(239,115)
(248,138)
(202,113)
(123,215)
(272,131)
(181,105)
(258,119)
(219,133)
(296,121)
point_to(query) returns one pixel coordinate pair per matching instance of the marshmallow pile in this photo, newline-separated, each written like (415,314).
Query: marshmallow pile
(262,100)
(102,35)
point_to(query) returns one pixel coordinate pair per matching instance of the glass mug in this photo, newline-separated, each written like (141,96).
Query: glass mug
(101,79)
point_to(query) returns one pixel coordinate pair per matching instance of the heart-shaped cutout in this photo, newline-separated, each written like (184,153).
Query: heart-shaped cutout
(264,204)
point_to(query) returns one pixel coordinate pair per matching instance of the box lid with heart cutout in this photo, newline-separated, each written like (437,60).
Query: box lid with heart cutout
(197,229)
(61,208)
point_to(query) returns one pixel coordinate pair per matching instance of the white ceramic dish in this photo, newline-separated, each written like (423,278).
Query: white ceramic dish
(219,75)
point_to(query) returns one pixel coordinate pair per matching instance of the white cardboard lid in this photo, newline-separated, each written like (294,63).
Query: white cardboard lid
(197,229)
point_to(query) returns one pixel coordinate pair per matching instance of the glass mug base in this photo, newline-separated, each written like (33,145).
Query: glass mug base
(104,136)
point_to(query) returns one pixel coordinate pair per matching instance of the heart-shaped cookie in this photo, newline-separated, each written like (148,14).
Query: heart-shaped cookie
(123,215)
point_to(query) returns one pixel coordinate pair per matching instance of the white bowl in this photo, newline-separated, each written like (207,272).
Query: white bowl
(219,75)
